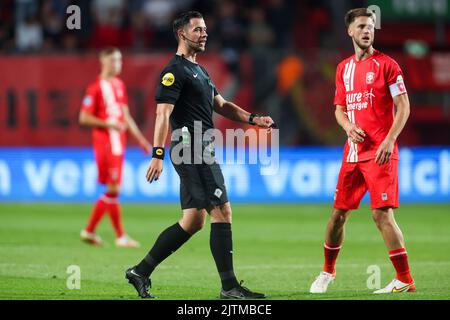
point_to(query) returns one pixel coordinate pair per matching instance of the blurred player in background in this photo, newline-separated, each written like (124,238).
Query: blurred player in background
(368,85)
(105,109)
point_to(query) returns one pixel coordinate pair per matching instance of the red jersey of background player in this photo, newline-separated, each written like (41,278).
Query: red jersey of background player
(105,100)
(366,88)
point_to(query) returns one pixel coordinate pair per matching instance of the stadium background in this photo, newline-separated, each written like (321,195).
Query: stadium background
(270,56)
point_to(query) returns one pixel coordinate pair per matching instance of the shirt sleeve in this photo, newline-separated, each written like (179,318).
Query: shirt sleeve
(89,103)
(339,94)
(124,98)
(170,85)
(394,79)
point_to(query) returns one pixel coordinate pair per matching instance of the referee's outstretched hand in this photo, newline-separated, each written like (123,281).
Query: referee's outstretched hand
(154,170)
(265,122)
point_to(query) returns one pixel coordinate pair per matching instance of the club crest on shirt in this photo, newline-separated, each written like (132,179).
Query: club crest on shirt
(370,77)
(168,79)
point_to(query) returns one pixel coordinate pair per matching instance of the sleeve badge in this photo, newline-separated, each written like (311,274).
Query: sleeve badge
(168,79)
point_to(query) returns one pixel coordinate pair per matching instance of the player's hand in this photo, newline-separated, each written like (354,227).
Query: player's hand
(385,151)
(264,122)
(355,133)
(118,126)
(145,145)
(154,170)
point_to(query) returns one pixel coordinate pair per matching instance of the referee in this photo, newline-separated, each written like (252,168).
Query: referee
(186,95)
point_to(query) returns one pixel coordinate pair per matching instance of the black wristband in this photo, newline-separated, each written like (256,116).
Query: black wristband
(158,153)
(252,116)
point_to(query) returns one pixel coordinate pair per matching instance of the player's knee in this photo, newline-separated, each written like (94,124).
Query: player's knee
(113,188)
(339,217)
(221,213)
(382,218)
(195,225)
(226,212)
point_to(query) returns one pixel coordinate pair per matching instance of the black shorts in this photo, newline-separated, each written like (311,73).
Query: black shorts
(201,185)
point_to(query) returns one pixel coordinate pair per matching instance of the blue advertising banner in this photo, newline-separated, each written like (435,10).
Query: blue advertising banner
(301,175)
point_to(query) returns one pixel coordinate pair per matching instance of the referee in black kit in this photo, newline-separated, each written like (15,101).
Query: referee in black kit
(186,95)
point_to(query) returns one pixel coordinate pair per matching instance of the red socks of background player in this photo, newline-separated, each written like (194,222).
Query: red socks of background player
(97,214)
(331,252)
(107,202)
(399,258)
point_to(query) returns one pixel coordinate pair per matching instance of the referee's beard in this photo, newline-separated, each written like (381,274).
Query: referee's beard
(196,48)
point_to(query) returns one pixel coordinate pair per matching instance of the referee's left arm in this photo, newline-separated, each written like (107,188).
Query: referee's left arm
(163,111)
(232,111)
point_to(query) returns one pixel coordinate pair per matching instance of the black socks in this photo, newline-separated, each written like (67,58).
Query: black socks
(221,244)
(168,242)
(174,237)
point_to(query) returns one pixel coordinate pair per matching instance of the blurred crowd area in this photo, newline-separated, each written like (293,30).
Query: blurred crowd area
(281,54)
(40,25)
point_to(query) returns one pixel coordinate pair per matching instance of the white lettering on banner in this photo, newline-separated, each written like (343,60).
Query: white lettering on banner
(444,163)
(66,178)
(128,185)
(276,185)
(331,176)
(405,171)
(37,178)
(143,186)
(175,182)
(305,178)
(158,189)
(423,177)
(237,179)
(5,179)
(89,178)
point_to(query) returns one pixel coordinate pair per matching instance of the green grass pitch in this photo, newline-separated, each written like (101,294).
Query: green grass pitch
(277,250)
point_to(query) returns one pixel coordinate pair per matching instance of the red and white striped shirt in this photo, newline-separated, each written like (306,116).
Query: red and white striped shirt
(105,100)
(366,88)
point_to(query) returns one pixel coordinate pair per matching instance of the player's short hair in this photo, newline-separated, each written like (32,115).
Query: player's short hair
(108,51)
(351,15)
(183,19)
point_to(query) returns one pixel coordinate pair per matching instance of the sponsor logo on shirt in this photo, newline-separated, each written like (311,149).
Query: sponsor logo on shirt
(168,79)
(359,100)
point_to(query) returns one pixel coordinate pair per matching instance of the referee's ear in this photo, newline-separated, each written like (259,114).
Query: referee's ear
(179,35)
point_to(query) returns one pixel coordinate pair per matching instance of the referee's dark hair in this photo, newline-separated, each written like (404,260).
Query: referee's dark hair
(183,19)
